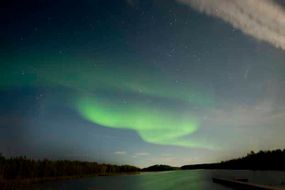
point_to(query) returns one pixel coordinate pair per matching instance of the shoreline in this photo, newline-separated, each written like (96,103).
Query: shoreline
(19,182)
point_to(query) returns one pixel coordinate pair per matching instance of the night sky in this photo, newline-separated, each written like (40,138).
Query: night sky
(141,81)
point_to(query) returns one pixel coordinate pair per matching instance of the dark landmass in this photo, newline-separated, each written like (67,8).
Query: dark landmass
(22,169)
(156,168)
(263,160)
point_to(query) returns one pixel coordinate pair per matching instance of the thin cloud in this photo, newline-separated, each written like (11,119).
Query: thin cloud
(139,154)
(120,152)
(261,19)
(142,154)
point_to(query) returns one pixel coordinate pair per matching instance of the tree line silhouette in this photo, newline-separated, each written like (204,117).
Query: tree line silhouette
(262,160)
(21,168)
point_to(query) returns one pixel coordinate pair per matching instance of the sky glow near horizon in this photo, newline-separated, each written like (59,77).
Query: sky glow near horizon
(142,82)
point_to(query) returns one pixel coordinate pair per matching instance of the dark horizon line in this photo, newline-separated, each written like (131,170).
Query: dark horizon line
(142,168)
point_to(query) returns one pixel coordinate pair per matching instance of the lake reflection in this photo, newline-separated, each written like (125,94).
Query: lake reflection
(198,179)
(178,180)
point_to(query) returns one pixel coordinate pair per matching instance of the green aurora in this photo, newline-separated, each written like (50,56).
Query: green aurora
(154,125)
(165,125)
(140,82)
(99,73)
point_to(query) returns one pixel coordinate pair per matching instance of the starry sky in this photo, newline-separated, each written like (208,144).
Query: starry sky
(141,81)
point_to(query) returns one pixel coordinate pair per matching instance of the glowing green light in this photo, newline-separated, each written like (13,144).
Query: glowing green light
(165,124)
(154,125)
(100,74)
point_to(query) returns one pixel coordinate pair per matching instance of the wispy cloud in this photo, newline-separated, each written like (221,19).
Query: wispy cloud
(139,154)
(142,154)
(261,19)
(120,152)
(249,126)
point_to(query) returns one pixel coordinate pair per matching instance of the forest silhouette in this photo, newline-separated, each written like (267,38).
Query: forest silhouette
(22,168)
(262,160)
